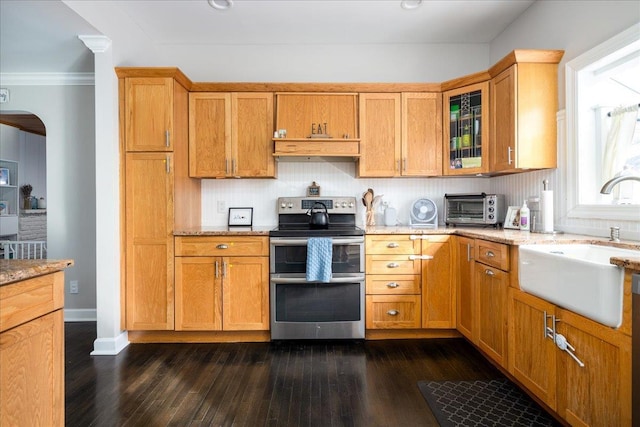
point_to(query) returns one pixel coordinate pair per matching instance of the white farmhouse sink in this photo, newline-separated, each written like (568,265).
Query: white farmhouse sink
(578,277)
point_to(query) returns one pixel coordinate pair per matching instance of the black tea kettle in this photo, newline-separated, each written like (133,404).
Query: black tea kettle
(319,218)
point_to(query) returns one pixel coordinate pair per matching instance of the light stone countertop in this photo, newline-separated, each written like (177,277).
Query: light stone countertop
(14,270)
(506,236)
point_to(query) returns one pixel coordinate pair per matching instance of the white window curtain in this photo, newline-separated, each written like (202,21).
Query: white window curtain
(619,137)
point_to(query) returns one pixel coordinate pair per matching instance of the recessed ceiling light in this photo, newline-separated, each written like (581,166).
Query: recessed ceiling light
(220,4)
(410,4)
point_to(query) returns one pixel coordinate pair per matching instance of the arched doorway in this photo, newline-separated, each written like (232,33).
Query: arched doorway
(23,158)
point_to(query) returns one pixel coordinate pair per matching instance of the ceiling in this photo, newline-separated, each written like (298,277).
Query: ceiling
(42,36)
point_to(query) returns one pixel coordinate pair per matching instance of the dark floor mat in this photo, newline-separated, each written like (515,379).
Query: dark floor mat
(482,403)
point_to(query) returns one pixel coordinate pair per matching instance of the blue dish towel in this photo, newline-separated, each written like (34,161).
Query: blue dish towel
(319,257)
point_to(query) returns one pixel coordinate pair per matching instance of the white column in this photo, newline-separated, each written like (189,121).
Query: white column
(110,338)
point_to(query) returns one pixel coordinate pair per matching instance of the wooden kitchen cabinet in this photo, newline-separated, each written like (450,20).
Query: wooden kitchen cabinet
(393,282)
(230,135)
(158,195)
(400,134)
(222,283)
(438,288)
(380,135)
(491,283)
(317,124)
(409,282)
(148,113)
(149,198)
(32,352)
(532,358)
(465,130)
(523,107)
(598,394)
(466,291)
(595,394)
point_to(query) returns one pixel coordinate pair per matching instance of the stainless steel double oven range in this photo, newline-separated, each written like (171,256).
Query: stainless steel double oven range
(302,309)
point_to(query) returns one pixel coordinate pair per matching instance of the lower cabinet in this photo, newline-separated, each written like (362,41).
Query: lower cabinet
(222,293)
(465,289)
(32,352)
(491,281)
(590,388)
(409,282)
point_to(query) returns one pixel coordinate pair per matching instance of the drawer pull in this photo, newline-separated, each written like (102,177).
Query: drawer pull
(222,246)
(393,312)
(393,245)
(393,265)
(489,273)
(393,285)
(490,254)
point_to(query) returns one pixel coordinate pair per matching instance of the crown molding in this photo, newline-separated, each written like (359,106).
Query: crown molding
(97,44)
(47,79)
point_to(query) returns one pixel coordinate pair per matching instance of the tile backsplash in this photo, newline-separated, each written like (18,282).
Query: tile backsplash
(335,179)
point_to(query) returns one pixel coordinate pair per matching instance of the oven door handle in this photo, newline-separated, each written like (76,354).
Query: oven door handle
(303,241)
(287,280)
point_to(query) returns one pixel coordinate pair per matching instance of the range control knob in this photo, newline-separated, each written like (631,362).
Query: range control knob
(344,204)
(283,205)
(290,205)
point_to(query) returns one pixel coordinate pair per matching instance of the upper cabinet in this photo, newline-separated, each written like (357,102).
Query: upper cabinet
(524,102)
(317,124)
(148,113)
(465,130)
(230,135)
(400,134)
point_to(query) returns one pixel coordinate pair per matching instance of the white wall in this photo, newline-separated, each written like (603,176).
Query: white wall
(68,114)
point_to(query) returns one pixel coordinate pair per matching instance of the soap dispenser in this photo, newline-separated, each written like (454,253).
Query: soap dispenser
(524,217)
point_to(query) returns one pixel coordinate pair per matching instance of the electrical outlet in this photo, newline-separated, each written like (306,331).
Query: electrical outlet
(73,287)
(222,208)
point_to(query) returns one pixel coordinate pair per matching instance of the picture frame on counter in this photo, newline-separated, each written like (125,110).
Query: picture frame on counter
(512,219)
(242,217)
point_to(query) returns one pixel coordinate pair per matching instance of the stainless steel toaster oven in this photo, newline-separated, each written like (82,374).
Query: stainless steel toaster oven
(474,209)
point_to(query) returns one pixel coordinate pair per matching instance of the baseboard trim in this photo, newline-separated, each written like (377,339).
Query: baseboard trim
(80,315)
(110,346)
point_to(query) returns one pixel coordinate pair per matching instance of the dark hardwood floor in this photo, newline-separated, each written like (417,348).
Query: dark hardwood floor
(316,383)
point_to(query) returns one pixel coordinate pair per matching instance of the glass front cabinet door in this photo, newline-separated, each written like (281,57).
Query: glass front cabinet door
(465,130)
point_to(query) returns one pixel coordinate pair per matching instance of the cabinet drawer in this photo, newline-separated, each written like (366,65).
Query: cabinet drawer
(393,311)
(390,264)
(23,301)
(393,285)
(392,244)
(222,246)
(493,254)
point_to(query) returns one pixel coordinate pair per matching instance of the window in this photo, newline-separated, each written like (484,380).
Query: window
(603,131)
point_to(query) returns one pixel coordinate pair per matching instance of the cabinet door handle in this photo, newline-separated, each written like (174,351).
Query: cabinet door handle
(490,254)
(226,166)
(469,252)
(398,165)
(418,237)
(509,150)
(393,245)
(167,138)
(393,312)
(224,269)
(404,164)
(393,265)
(489,272)
(393,285)
(234,169)
(217,267)
(222,246)
(167,164)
